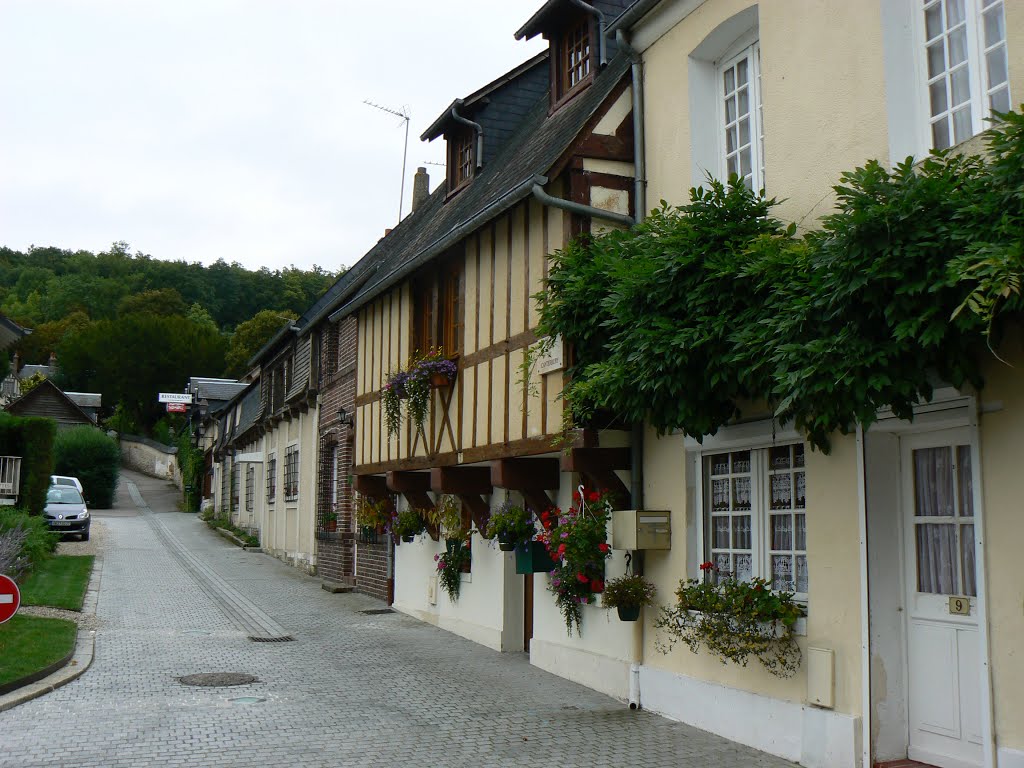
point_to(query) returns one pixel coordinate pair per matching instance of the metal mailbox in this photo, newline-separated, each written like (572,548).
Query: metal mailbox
(641,529)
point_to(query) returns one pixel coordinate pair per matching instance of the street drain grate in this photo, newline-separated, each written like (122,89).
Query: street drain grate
(376,611)
(283,639)
(217,679)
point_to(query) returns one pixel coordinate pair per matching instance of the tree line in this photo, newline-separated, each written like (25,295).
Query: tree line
(128,325)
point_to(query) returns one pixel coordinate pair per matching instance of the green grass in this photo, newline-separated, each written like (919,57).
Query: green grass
(59,582)
(31,643)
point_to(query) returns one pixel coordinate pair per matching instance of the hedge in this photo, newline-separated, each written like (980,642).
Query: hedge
(31,438)
(95,459)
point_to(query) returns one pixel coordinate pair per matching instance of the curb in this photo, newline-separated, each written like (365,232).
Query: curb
(238,542)
(77,661)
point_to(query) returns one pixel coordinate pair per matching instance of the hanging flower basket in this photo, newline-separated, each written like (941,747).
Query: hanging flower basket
(440,380)
(628,612)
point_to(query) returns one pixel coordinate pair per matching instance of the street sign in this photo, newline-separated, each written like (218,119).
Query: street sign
(10,598)
(174,397)
(176,408)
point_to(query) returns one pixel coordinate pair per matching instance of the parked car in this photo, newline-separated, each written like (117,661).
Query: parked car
(66,511)
(67,480)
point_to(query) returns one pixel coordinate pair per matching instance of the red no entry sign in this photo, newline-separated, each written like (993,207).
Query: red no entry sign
(10,598)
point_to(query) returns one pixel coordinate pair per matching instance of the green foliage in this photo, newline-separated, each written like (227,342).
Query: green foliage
(250,337)
(130,359)
(162,301)
(60,582)
(511,523)
(372,513)
(30,437)
(408,523)
(714,303)
(223,521)
(447,517)
(29,383)
(190,462)
(36,541)
(197,314)
(47,337)
(450,566)
(735,620)
(629,591)
(121,421)
(95,459)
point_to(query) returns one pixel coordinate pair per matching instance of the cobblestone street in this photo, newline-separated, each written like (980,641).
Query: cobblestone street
(352,689)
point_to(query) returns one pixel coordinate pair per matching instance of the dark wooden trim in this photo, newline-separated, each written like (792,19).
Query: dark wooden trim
(617,147)
(461,480)
(479,510)
(407,465)
(399,481)
(501,348)
(589,459)
(537,501)
(520,474)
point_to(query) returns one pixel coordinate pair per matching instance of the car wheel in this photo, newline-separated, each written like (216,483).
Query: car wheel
(85,535)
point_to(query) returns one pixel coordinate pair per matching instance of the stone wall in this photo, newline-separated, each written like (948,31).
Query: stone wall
(150,458)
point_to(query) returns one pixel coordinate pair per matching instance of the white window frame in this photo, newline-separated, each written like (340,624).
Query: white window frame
(749,49)
(271,478)
(977,67)
(760,473)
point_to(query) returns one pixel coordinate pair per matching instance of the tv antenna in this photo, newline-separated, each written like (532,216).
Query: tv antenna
(403,113)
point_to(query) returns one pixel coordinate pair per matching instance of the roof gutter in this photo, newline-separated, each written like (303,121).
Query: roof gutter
(477,129)
(633,14)
(578,208)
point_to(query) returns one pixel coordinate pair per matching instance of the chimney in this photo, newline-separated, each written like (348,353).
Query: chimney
(52,363)
(16,364)
(420,187)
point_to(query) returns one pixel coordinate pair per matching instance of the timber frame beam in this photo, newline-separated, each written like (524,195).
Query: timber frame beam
(532,477)
(415,487)
(597,466)
(470,485)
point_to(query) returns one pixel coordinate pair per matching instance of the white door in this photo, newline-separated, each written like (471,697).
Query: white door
(942,602)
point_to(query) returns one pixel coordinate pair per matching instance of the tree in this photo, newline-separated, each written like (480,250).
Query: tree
(250,336)
(131,359)
(162,301)
(46,337)
(197,314)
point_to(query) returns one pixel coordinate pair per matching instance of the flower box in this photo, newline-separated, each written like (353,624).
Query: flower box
(533,557)
(440,380)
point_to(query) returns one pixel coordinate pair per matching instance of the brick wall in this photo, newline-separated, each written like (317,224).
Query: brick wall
(336,553)
(372,566)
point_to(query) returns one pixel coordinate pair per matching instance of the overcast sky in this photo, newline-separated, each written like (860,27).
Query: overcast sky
(235,129)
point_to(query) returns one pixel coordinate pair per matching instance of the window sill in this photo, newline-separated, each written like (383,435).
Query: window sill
(571,94)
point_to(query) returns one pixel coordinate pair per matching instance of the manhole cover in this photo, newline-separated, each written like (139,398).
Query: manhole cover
(213,679)
(376,611)
(247,700)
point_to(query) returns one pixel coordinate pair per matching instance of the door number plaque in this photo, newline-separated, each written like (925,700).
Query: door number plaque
(960,606)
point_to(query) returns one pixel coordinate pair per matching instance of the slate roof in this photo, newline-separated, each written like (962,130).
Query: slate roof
(10,332)
(32,403)
(552,9)
(529,154)
(250,410)
(86,399)
(214,389)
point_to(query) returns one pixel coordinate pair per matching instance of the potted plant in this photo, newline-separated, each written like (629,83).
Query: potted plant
(446,516)
(331,519)
(735,620)
(577,541)
(628,594)
(372,516)
(451,565)
(512,525)
(408,525)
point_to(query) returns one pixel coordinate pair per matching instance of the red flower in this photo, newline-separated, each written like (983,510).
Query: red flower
(561,549)
(597,585)
(603,547)
(582,579)
(707,566)
(593,497)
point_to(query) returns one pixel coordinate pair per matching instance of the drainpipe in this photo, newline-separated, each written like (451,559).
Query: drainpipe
(639,152)
(478,129)
(579,208)
(637,458)
(865,598)
(602,51)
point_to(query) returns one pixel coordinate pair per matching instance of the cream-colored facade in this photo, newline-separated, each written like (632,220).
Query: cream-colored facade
(840,84)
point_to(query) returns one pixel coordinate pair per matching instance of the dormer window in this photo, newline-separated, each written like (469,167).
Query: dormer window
(461,160)
(573,64)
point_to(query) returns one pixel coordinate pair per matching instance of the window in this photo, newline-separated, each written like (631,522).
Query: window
(573,65)
(291,473)
(740,118)
(461,158)
(271,478)
(437,310)
(965,67)
(235,482)
(250,487)
(755,515)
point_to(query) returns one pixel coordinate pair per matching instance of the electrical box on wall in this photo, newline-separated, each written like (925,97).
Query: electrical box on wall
(432,590)
(641,529)
(821,682)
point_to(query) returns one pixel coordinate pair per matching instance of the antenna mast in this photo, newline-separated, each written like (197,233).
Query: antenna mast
(403,113)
